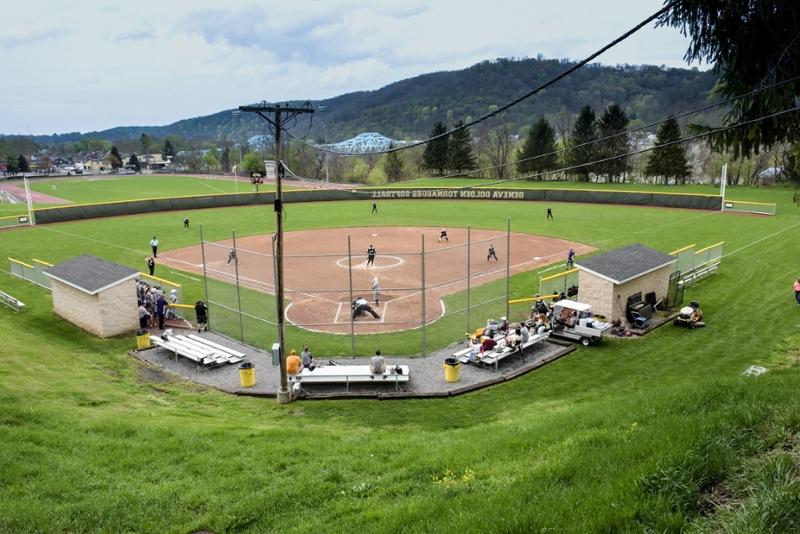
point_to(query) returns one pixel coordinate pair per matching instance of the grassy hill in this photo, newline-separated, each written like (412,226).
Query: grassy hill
(408,109)
(656,434)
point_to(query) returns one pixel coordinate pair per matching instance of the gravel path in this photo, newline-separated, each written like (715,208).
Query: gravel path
(426,373)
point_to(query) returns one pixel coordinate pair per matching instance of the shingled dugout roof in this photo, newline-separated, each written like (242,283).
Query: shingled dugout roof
(625,264)
(90,274)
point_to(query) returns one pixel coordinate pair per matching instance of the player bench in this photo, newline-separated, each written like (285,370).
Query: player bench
(11,302)
(352,374)
(494,357)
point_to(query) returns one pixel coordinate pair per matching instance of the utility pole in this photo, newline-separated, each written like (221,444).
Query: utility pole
(325,140)
(277,115)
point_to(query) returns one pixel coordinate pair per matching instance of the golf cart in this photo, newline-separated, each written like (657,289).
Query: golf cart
(573,320)
(690,316)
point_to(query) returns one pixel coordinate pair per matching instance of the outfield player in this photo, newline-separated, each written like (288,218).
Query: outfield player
(371,256)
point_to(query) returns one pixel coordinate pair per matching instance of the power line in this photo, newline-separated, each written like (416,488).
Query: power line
(632,130)
(640,151)
(527,95)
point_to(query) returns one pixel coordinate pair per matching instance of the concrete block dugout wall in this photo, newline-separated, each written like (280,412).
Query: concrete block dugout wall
(590,196)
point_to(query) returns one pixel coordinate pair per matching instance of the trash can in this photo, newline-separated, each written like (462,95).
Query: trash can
(247,374)
(452,368)
(143,339)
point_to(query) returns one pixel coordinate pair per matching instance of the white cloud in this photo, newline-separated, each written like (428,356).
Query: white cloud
(97,64)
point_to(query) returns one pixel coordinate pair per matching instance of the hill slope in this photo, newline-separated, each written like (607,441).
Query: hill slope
(408,109)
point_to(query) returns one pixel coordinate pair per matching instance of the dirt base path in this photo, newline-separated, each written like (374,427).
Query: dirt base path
(318,271)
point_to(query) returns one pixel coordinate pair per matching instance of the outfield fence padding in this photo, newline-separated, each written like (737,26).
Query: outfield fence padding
(132,207)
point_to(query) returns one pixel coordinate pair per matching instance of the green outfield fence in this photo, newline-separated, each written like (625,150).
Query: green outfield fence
(131,207)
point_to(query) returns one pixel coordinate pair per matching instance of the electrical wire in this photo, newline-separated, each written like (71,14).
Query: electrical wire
(512,103)
(632,130)
(640,151)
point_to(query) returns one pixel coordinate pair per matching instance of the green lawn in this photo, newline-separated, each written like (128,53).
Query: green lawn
(657,434)
(107,188)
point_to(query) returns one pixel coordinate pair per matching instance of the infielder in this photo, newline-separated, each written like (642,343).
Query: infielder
(371,256)
(443,235)
(491,254)
(232,256)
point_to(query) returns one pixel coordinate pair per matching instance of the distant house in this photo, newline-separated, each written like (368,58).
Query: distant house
(153,162)
(607,281)
(96,295)
(97,165)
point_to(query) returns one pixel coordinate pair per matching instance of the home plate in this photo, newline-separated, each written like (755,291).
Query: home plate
(374,235)
(536,258)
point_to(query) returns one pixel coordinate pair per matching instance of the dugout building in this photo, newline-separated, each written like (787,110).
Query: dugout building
(96,295)
(608,281)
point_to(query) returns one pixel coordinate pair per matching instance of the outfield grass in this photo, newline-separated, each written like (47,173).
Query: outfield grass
(107,188)
(640,435)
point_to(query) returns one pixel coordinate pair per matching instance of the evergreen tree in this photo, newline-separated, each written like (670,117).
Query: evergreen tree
(613,121)
(133,161)
(435,156)
(12,164)
(585,131)
(668,161)
(169,150)
(752,44)
(460,156)
(393,167)
(114,158)
(541,140)
(22,164)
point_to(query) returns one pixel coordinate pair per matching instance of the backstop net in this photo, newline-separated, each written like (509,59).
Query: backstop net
(419,285)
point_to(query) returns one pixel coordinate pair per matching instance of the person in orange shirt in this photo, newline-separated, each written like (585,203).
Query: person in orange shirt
(797,291)
(293,363)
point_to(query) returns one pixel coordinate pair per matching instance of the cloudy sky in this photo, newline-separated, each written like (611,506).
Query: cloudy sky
(95,64)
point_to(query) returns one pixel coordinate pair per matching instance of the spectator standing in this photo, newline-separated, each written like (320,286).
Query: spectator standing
(161,311)
(201,310)
(154,246)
